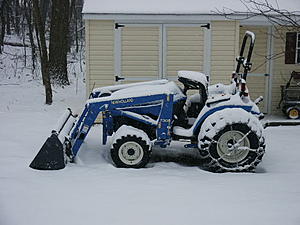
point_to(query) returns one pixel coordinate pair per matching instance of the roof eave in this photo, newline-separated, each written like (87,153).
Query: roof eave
(245,19)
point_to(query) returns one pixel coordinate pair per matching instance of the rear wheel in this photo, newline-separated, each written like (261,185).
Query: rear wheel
(293,113)
(130,152)
(229,145)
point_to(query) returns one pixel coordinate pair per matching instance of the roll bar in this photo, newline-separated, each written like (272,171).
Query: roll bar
(242,61)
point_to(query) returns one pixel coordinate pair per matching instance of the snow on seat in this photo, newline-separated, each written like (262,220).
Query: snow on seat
(194,76)
(180,131)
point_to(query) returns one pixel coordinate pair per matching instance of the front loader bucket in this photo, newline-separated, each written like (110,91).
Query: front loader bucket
(50,156)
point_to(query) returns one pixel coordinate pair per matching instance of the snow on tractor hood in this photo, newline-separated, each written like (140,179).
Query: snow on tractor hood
(147,89)
(144,90)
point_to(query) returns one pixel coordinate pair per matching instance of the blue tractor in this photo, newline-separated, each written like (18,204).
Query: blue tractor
(221,121)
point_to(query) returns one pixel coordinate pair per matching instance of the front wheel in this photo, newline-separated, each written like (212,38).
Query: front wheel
(130,152)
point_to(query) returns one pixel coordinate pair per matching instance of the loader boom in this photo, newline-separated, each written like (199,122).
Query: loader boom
(108,108)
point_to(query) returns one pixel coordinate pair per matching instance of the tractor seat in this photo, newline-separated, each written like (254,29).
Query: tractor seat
(182,132)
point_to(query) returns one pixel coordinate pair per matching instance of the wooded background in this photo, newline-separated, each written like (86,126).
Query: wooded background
(49,28)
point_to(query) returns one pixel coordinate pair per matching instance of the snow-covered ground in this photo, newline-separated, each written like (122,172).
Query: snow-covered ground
(171,190)
(95,192)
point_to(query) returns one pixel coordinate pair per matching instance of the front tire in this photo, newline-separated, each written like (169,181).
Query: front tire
(130,152)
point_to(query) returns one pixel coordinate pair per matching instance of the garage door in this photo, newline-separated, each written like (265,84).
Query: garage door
(155,51)
(184,50)
(140,52)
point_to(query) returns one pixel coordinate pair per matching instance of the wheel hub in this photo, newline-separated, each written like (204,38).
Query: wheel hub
(233,146)
(293,114)
(131,153)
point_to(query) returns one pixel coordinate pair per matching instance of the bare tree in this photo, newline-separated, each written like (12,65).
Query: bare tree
(28,17)
(58,47)
(2,20)
(40,29)
(283,21)
(36,21)
(271,12)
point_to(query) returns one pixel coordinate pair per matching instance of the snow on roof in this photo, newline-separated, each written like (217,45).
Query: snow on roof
(174,6)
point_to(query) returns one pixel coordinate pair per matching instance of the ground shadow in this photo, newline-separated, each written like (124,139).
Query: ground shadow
(184,157)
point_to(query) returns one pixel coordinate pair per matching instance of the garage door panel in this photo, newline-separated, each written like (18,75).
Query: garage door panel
(140,67)
(130,58)
(186,53)
(193,62)
(141,74)
(181,48)
(180,59)
(148,47)
(140,38)
(184,50)
(178,43)
(140,51)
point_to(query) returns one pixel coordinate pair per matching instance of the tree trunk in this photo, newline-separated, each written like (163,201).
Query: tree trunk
(2,19)
(44,52)
(17,17)
(44,10)
(58,47)
(28,15)
(8,30)
(76,29)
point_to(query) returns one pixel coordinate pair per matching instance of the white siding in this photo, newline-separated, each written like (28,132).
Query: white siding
(99,53)
(225,41)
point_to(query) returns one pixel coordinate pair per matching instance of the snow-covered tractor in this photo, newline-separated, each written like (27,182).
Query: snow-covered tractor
(221,121)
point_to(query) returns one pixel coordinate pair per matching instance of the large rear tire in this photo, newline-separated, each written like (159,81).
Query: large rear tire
(233,146)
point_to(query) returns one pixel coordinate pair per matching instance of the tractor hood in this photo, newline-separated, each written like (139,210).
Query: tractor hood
(149,89)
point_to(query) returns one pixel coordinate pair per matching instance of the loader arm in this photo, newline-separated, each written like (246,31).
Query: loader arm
(109,108)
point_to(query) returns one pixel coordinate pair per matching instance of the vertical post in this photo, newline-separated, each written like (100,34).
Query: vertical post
(87,57)
(164,51)
(117,52)
(161,52)
(270,69)
(207,52)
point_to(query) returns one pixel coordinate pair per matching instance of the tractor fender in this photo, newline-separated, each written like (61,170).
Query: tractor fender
(218,120)
(125,130)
